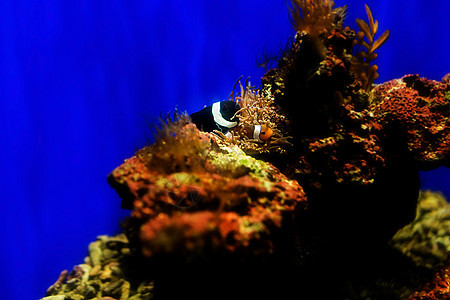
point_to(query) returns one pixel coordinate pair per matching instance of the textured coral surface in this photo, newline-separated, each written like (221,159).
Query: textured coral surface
(234,202)
(421,108)
(112,271)
(437,289)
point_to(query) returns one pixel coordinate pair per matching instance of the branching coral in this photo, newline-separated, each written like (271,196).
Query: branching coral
(362,62)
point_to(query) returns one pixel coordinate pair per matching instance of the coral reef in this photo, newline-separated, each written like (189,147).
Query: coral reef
(319,200)
(355,149)
(420,108)
(177,147)
(235,201)
(233,212)
(315,18)
(113,271)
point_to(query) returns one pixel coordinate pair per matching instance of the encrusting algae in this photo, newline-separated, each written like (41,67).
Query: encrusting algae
(231,191)
(304,183)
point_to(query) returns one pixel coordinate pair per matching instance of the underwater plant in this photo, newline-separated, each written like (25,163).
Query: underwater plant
(178,147)
(362,63)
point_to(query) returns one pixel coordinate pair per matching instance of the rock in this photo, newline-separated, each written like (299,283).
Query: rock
(57,286)
(427,239)
(95,253)
(223,206)
(59,297)
(90,292)
(106,279)
(113,289)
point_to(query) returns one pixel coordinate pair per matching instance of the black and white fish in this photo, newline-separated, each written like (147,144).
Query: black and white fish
(221,116)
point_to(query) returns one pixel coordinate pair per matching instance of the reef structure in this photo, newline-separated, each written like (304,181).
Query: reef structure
(357,148)
(322,198)
(427,239)
(107,273)
(218,209)
(112,271)
(231,202)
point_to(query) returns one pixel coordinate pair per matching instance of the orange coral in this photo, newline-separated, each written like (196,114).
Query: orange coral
(316,18)
(235,200)
(438,288)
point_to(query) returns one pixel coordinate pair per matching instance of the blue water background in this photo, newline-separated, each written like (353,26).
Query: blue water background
(81,80)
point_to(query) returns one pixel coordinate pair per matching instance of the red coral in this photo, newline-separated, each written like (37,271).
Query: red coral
(351,153)
(189,232)
(215,208)
(437,289)
(422,109)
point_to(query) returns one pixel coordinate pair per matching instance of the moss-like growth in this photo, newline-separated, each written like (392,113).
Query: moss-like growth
(427,239)
(179,147)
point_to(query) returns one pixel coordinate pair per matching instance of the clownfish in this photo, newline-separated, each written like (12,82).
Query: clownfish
(221,116)
(260,133)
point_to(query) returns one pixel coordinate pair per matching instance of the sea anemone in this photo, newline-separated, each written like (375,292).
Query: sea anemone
(179,146)
(316,18)
(258,108)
